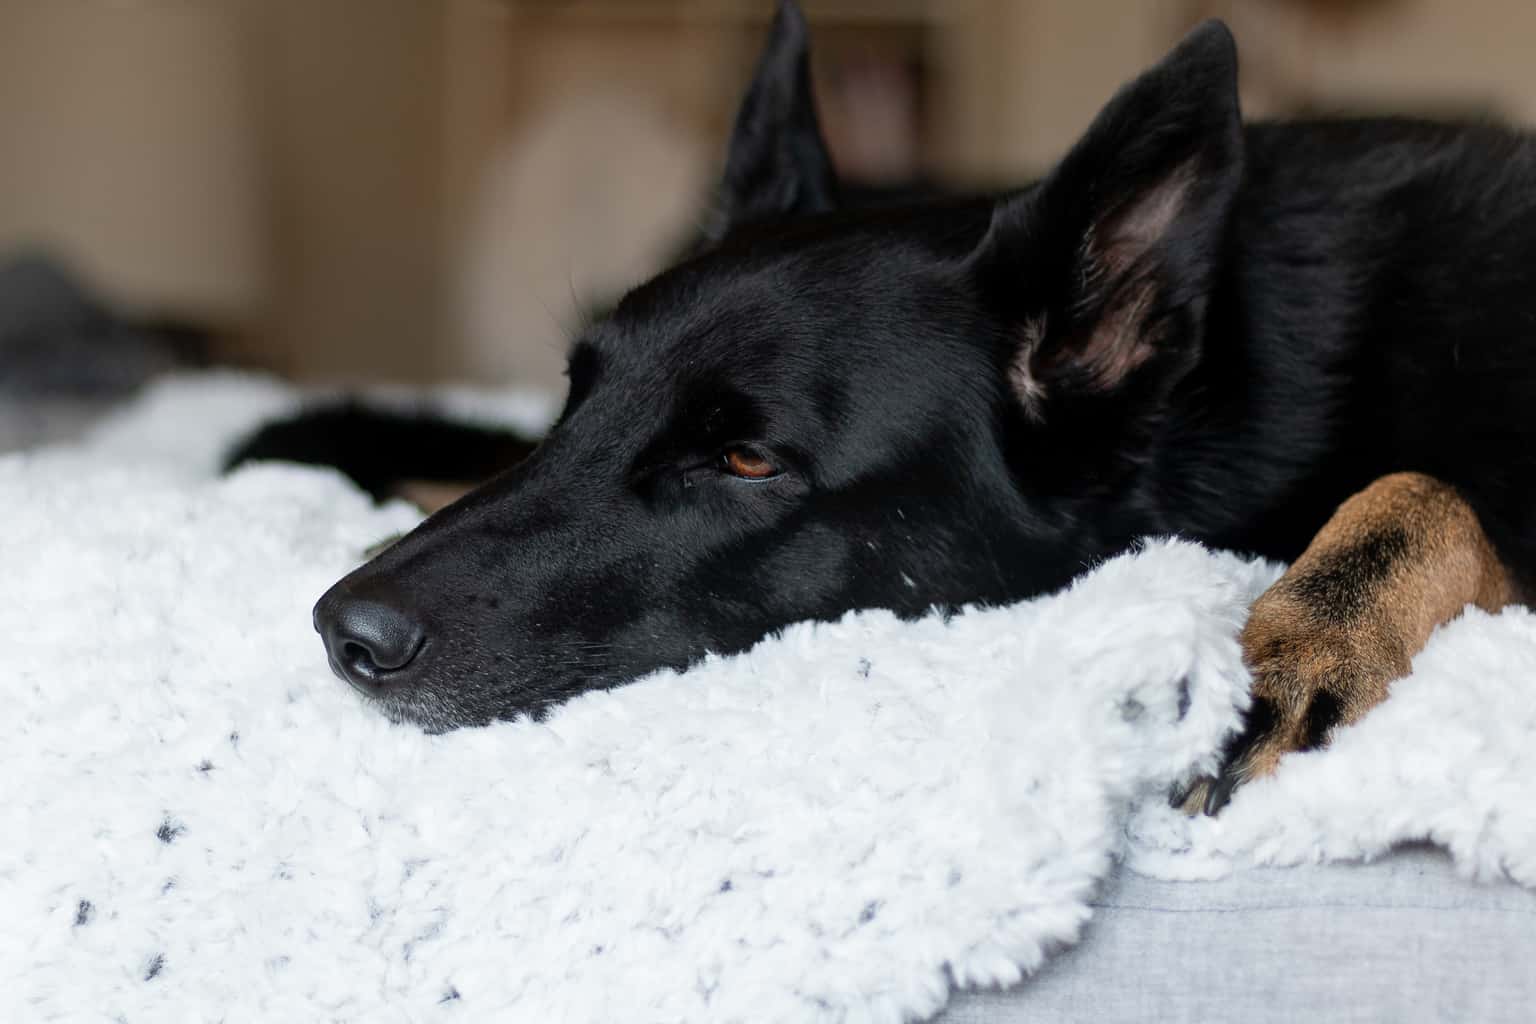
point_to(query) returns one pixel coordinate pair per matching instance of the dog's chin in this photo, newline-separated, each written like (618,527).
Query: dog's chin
(430,723)
(424,710)
(434,712)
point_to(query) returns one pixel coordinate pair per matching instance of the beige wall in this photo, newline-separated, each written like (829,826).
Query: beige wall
(1426,56)
(598,164)
(126,144)
(419,189)
(351,120)
(1035,73)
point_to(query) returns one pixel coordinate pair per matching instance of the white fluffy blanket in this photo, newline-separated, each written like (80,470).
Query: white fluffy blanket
(844,824)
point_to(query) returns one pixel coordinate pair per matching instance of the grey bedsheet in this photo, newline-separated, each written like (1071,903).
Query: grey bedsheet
(1401,940)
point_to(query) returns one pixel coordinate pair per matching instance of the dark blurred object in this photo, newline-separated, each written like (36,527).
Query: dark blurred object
(57,339)
(381,449)
(65,357)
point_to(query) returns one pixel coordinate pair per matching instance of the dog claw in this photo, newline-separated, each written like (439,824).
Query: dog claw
(1207,794)
(1219,793)
(1191,798)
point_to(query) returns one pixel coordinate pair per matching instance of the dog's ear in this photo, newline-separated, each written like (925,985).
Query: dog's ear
(1103,269)
(777,164)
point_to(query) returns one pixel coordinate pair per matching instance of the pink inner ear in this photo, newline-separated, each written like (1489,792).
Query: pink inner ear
(1117,284)
(1120,238)
(1118,341)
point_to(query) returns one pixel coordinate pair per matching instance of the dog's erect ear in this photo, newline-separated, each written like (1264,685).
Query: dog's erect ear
(1103,270)
(777,164)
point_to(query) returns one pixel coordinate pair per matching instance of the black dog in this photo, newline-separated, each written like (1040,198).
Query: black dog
(1188,327)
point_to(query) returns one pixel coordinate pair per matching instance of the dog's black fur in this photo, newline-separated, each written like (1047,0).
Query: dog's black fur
(1188,327)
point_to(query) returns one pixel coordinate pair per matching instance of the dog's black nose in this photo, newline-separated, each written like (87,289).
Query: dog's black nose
(371,644)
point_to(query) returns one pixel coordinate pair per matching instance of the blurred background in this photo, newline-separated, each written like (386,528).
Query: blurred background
(417,191)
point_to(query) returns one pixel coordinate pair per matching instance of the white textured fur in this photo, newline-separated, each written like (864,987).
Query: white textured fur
(842,824)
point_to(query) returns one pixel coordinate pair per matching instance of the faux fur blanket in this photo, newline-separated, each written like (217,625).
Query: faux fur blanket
(845,823)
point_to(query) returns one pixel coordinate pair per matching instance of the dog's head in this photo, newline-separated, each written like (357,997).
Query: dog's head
(828,410)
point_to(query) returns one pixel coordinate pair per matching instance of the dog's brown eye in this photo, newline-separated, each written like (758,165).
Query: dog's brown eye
(748,464)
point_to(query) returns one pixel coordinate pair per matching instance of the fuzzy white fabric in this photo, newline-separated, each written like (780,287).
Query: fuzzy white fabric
(843,824)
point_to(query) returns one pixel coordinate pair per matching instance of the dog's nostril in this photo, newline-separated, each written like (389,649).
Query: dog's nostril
(370,643)
(357,654)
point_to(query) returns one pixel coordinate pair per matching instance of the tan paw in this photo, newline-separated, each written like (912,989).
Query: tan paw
(1311,673)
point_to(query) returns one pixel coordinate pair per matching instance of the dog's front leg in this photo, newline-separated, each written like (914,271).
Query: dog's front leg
(1396,560)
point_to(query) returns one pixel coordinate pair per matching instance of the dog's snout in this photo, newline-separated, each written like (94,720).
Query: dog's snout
(371,643)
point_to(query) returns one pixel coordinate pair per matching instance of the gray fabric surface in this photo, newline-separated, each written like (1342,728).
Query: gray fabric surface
(1402,940)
